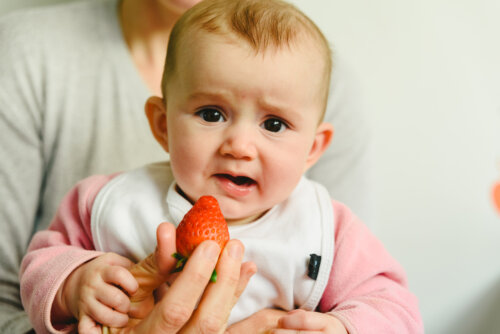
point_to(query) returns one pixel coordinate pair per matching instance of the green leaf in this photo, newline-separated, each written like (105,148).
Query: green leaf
(213,278)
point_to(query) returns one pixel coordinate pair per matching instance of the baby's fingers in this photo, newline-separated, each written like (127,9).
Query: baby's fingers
(105,315)
(309,323)
(88,326)
(121,277)
(300,319)
(294,331)
(114,298)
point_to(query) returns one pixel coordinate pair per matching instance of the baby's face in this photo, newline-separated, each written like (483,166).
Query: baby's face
(242,126)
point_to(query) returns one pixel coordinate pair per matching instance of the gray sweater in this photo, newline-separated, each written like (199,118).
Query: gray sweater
(71,105)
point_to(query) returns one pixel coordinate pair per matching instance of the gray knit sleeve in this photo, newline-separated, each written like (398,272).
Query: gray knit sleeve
(21,163)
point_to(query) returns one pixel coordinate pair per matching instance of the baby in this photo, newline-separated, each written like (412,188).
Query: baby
(244,92)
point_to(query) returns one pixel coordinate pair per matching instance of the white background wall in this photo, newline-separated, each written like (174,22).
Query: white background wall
(429,72)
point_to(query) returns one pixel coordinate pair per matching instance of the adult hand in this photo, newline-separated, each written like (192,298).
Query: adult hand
(175,313)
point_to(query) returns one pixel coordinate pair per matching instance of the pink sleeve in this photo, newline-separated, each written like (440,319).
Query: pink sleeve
(367,289)
(54,253)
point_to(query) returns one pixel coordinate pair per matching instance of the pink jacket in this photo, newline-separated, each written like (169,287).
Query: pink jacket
(367,288)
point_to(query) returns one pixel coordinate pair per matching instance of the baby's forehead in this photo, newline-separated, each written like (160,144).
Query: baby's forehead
(212,49)
(263,25)
(304,46)
(302,38)
(305,52)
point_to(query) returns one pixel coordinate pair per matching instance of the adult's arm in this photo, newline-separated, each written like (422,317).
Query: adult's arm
(367,289)
(21,166)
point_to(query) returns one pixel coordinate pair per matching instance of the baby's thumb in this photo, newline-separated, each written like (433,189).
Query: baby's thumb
(153,271)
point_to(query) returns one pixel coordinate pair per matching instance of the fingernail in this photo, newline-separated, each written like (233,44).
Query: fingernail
(211,251)
(235,251)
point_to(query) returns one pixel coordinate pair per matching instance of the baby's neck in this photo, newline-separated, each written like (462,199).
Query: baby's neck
(244,221)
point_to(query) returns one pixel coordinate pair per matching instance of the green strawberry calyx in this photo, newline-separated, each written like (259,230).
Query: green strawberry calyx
(181,262)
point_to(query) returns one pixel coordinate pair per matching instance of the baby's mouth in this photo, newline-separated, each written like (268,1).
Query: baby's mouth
(238,180)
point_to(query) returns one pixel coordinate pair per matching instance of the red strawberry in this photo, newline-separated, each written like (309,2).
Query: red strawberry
(203,222)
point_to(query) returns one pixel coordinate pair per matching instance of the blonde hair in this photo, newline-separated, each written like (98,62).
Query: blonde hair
(263,24)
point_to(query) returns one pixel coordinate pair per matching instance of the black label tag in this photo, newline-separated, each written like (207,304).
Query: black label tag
(313,268)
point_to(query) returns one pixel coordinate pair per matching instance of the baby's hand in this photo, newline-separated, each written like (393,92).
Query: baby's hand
(97,293)
(310,322)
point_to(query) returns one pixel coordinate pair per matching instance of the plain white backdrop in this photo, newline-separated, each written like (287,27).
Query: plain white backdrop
(429,72)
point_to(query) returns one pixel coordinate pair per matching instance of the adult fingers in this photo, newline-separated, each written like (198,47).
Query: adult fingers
(217,301)
(152,271)
(165,235)
(248,269)
(178,303)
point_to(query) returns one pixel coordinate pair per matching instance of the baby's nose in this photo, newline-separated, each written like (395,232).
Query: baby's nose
(239,144)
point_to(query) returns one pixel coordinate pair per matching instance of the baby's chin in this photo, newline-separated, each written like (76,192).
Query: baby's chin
(240,212)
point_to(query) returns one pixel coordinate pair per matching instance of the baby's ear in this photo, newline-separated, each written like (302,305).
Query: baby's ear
(323,137)
(157,116)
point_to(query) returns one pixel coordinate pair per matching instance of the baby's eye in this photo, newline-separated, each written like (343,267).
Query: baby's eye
(274,125)
(211,115)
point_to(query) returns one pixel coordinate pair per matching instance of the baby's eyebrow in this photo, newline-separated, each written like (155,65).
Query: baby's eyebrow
(272,107)
(278,109)
(207,96)
(268,105)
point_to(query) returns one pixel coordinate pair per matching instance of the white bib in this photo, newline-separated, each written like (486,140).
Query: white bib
(129,208)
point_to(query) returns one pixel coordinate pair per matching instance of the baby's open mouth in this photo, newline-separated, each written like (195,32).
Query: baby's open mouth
(238,180)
